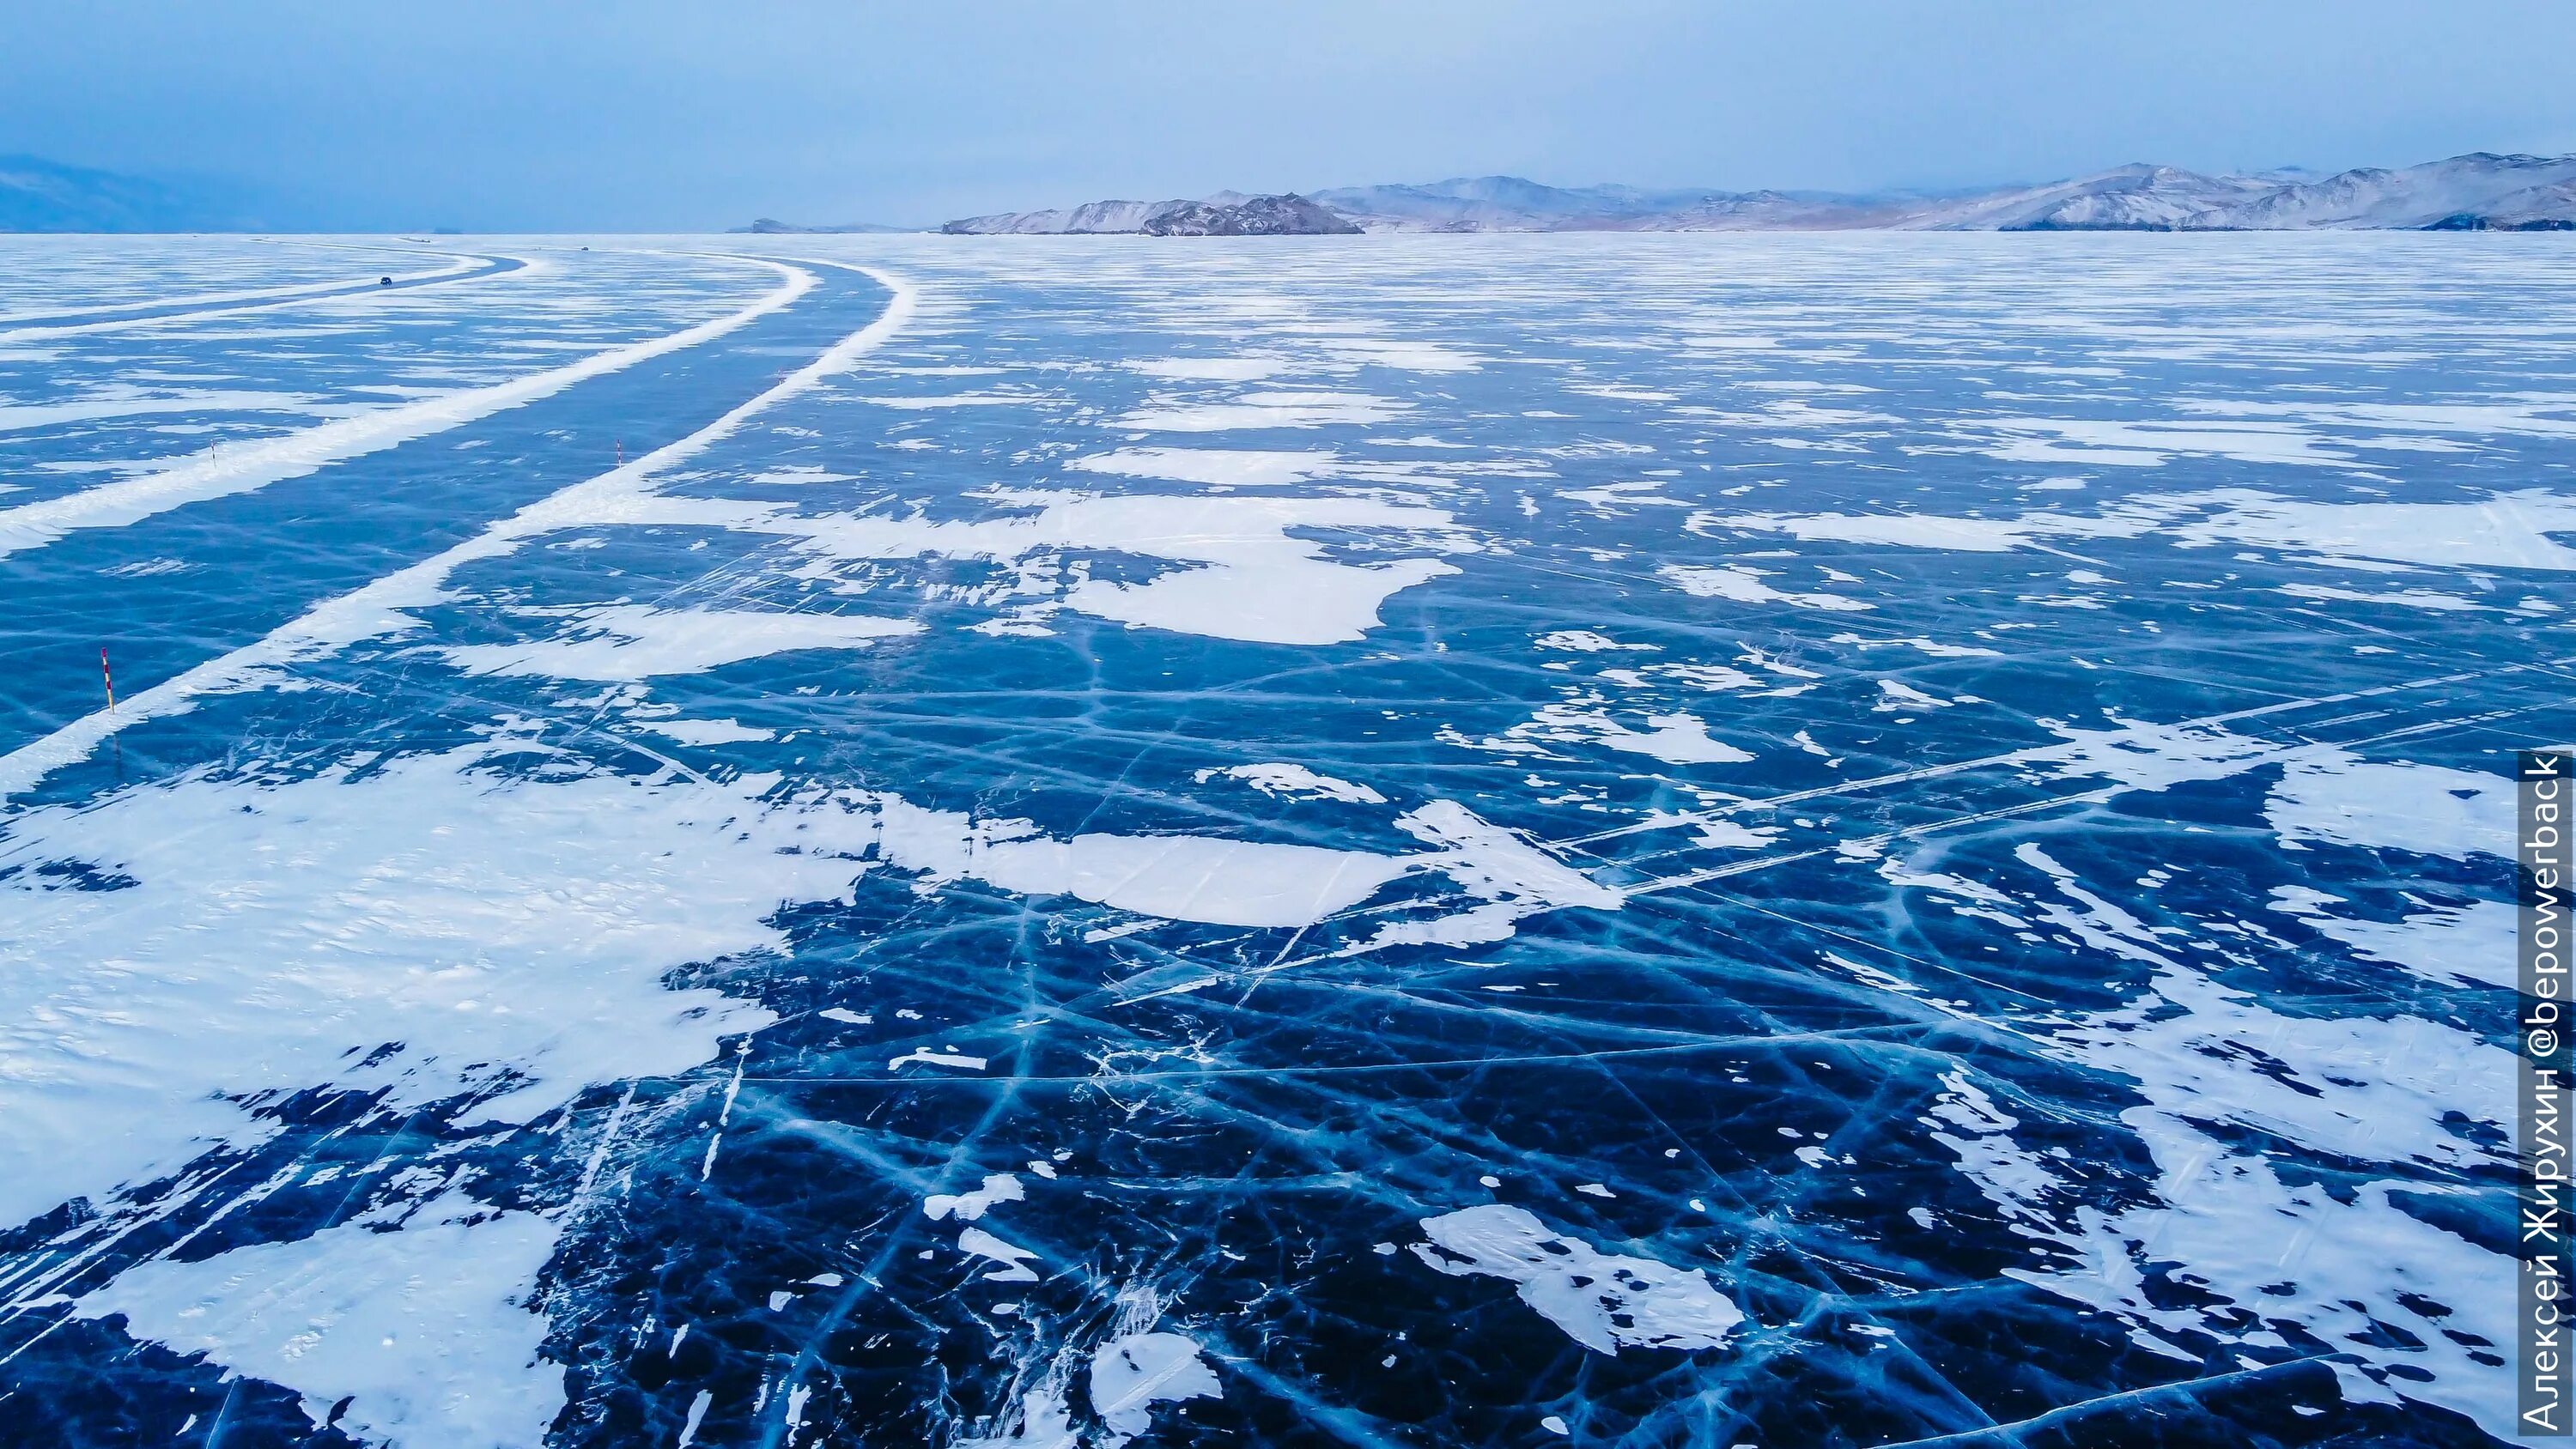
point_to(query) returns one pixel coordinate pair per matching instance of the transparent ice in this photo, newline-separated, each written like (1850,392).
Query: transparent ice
(1694,840)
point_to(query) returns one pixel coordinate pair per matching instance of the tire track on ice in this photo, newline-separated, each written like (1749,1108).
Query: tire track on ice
(108,317)
(376,608)
(249,467)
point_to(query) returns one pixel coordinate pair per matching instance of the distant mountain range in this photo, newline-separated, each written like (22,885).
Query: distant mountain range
(1228,213)
(40,195)
(2477,192)
(766,226)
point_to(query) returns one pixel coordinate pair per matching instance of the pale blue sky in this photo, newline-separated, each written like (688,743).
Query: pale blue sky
(660,114)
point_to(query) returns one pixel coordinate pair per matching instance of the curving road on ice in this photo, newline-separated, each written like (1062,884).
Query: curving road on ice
(356,500)
(46,325)
(373,607)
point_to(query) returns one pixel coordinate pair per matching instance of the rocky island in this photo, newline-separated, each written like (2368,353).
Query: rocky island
(1228,213)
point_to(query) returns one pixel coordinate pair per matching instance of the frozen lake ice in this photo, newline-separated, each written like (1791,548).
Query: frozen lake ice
(1702,839)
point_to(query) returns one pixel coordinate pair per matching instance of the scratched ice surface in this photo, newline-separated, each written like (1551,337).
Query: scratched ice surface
(1680,841)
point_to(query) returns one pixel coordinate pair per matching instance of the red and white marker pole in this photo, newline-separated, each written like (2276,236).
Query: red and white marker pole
(107,679)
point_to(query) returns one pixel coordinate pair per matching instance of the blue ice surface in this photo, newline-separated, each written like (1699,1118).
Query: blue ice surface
(2046,979)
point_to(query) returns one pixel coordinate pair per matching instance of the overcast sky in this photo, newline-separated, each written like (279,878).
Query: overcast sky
(654,114)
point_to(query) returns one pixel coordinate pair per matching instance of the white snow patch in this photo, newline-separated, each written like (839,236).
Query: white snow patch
(2429,599)
(1014,1260)
(1131,1374)
(1295,782)
(2329,797)
(1678,738)
(1243,575)
(422,1328)
(2211,1062)
(1584,641)
(927,1057)
(1898,695)
(2505,530)
(1210,369)
(633,641)
(1177,877)
(1495,862)
(1928,646)
(706,731)
(1740,584)
(2471,942)
(999,1187)
(1215,467)
(277,936)
(1309,409)
(1602,1301)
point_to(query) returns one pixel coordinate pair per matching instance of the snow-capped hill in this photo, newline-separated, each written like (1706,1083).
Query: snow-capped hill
(2480,191)
(1765,211)
(2542,208)
(1250,216)
(1091,216)
(2478,186)
(772,226)
(1498,203)
(2137,197)
(40,195)
(2345,199)
(1227,213)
